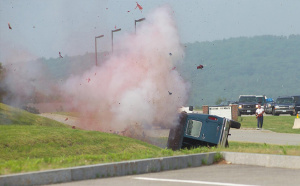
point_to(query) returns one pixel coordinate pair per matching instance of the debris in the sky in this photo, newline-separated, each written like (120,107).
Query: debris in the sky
(173,68)
(60,55)
(170,93)
(139,6)
(66,119)
(89,79)
(33,27)
(170,53)
(200,67)
(128,11)
(95,73)
(9,26)
(106,8)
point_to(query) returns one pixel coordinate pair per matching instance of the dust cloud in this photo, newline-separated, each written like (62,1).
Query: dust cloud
(138,86)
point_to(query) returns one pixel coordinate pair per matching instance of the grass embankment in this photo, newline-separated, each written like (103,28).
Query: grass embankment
(31,143)
(280,124)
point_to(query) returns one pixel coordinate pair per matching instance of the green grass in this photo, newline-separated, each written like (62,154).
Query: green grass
(14,116)
(281,124)
(74,114)
(31,143)
(263,148)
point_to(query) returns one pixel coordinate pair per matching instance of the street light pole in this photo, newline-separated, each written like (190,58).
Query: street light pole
(135,21)
(112,38)
(96,46)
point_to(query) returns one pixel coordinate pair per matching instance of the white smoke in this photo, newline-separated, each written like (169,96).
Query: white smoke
(138,83)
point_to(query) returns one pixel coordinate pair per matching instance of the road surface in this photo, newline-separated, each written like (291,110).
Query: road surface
(218,174)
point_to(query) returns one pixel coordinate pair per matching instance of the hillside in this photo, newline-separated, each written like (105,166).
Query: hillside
(268,65)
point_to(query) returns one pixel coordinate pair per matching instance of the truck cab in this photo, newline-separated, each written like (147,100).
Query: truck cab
(196,130)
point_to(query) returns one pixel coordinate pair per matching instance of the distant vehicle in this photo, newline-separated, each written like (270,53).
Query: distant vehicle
(189,109)
(196,130)
(261,99)
(297,104)
(269,106)
(227,103)
(284,105)
(247,104)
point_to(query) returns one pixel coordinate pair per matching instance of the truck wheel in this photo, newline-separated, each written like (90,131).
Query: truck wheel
(235,124)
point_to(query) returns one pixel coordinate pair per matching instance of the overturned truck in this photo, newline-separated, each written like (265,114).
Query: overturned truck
(196,130)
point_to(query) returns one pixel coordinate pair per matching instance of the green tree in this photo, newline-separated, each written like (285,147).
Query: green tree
(220,100)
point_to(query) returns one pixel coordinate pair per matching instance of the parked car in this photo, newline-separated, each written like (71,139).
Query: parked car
(247,104)
(297,104)
(284,105)
(261,99)
(227,103)
(269,106)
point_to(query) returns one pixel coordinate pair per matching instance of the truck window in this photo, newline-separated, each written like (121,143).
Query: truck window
(193,128)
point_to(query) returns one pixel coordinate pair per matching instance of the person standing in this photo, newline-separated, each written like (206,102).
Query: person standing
(260,118)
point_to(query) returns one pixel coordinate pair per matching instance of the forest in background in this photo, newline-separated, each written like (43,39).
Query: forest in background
(260,65)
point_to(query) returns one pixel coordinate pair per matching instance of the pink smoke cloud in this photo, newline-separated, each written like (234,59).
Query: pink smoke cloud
(132,87)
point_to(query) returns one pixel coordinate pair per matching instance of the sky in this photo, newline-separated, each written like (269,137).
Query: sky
(45,28)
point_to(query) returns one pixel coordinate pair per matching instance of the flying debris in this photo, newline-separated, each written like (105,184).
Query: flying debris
(173,68)
(9,26)
(170,93)
(66,119)
(60,55)
(139,6)
(200,67)
(89,79)
(170,53)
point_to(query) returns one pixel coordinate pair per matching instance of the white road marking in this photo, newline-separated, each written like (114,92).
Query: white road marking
(189,181)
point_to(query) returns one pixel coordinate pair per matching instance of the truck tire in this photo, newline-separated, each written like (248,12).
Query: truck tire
(235,124)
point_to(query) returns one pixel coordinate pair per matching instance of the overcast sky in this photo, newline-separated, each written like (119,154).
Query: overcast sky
(42,28)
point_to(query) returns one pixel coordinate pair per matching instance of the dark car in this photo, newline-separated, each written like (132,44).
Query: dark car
(297,103)
(284,105)
(247,104)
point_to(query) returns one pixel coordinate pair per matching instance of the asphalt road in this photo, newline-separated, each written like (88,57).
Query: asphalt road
(221,174)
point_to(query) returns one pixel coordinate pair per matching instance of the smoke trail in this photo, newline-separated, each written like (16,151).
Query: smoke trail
(137,85)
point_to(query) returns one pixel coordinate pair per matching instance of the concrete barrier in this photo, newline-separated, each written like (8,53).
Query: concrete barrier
(296,123)
(266,160)
(146,166)
(108,170)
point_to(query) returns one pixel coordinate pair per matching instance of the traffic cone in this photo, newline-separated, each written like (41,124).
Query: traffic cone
(297,115)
